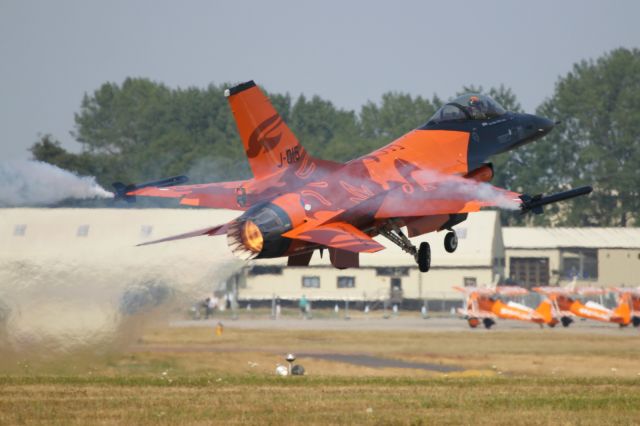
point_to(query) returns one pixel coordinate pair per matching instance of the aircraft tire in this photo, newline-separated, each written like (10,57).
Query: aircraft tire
(488,323)
(566,321)
(424,257)
(450,242)
(636,321)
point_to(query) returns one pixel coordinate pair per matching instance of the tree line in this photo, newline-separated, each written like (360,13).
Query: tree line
(141,129)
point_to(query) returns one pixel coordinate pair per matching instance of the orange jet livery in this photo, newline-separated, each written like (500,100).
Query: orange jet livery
(482,305)
(428,180)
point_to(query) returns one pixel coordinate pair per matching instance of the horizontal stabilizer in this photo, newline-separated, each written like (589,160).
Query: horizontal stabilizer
(215,230)
(339,235)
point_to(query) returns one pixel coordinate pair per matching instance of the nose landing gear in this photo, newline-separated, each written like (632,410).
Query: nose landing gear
(450,242)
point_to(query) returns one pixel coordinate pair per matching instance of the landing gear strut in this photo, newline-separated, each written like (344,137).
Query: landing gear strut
(422,255)
(450,242)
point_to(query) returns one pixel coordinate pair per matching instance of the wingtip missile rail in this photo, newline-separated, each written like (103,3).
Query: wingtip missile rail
(535,203)
(121,190)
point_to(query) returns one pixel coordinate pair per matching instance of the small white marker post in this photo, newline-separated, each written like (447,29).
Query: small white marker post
(290,358)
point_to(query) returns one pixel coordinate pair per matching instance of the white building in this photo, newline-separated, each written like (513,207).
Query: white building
(69,247)
(479,257)
(595,256)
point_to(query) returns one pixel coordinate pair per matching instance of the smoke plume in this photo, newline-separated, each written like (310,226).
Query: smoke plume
(34,183)
(449,187)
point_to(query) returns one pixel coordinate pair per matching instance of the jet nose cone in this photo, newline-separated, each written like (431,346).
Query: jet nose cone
(543,125)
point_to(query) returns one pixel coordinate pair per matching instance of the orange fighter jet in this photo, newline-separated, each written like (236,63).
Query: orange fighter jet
(427,180)
(565,307)
(482,305)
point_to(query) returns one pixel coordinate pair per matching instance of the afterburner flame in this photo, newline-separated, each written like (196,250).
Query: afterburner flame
(251,236)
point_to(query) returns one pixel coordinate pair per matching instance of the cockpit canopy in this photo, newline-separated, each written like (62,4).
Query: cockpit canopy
(471,106)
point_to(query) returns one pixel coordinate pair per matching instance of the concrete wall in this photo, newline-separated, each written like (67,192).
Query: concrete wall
(619,267)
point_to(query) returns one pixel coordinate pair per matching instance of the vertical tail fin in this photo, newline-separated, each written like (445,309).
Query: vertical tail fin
(545,309)
(268,142)
(623,310)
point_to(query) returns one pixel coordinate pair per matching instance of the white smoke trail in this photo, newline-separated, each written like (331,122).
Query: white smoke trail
(449,187)
(34,183)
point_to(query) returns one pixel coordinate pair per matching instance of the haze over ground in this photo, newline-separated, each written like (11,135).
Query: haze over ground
(51,53)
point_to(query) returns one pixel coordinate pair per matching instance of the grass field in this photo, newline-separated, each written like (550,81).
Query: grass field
(191,376)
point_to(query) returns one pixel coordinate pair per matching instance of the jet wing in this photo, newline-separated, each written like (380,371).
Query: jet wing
(226,195)
(434,194)
(339,235)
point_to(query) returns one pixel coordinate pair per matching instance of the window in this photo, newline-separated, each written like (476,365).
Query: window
(470,281)
(146,231)
(346,282)
(311,282)
(266,270)
(392,271)
(529,271)
(396,283)
(579,263)
(19,230)
(83,231)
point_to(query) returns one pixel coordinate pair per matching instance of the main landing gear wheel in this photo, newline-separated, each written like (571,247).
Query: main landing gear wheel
(450,242)
(566,321)
(424,257)
(488,323)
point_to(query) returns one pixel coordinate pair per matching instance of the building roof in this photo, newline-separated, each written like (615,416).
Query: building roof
(550,238)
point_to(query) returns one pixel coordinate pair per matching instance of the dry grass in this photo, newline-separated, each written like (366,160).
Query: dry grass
(191,376)
(307,400)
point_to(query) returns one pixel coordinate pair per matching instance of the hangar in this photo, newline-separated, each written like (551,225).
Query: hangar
(392,272)
(554,256)
(76,245)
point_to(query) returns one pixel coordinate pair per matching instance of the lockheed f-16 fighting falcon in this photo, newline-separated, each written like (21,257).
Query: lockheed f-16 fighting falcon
(427,180)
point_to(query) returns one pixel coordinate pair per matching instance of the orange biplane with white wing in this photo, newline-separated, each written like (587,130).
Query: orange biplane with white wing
(565,307)
(482,305)
(630,297)
(428,180)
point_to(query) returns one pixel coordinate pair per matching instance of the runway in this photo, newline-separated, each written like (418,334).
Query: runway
(405,323)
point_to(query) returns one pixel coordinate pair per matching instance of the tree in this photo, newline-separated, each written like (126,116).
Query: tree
(598,140)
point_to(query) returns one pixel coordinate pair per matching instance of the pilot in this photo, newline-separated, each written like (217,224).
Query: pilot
(476,107)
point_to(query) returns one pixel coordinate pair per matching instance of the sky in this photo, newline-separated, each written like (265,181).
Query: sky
(53,52)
